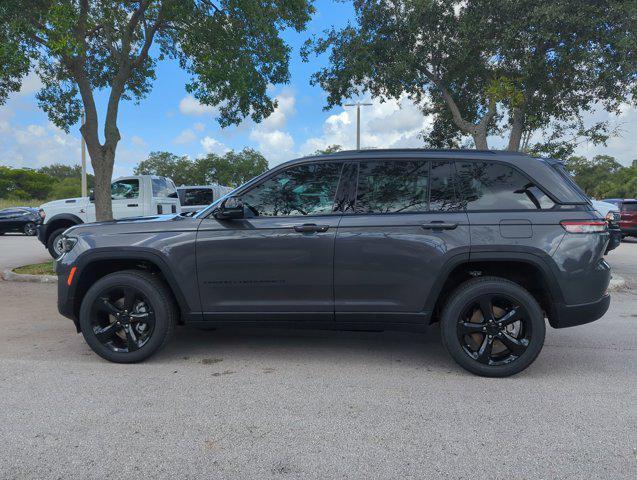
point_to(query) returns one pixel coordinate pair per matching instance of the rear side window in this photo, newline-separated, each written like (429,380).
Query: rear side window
(629,207)
(392,187)
(162,187)
(196,196)
(301,190)
(493,186)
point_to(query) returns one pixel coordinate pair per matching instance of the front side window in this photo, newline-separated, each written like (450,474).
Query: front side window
(493,186)
(442,196)
(392,186)
(301,190)
(125,189)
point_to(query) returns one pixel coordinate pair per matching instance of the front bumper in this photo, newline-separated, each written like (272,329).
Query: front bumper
(66,293)
(572,315)
(614,238)
(42,233)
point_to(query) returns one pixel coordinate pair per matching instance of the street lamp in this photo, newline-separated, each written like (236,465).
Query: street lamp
(358,106)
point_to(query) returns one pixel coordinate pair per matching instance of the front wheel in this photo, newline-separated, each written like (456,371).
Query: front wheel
(54,244)
(30,229)
(127,316)
(493,327)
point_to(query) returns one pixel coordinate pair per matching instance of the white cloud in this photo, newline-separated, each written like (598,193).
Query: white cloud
(199,127)
(286,102)
(275,145)
(210,145)
(138,141)
(189,105)
(186,136)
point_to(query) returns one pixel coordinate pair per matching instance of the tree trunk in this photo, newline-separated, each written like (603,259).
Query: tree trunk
(480,140)
(103,168)
(517,128)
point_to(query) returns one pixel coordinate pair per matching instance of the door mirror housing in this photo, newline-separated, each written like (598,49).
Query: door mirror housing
(91,195)
(230,209)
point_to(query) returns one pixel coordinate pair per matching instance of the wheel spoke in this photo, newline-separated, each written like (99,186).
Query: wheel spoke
(109,307)
(104,334)
(131,339)
(515,346)
(145,317)
(129,299)
(510,317)
(486,308)
(484,353)
(465,328)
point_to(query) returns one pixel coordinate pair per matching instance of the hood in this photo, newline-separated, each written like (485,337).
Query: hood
(155,223)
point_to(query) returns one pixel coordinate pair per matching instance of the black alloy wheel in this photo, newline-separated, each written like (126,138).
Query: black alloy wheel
(122,319)
(127,316)
(492,327)
(30,229)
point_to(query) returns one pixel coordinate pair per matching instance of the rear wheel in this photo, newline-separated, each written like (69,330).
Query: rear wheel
(127,316)
(493,327)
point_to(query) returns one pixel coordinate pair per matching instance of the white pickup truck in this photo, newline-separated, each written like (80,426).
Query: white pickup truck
(135,196)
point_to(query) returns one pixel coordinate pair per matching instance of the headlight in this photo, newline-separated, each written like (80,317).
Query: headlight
(42,214)
(609,217)
(68,243)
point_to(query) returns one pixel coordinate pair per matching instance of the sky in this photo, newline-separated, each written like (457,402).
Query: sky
(171,120)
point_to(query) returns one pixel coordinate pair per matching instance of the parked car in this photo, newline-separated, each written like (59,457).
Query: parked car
(135,196)
(19,219)
(610,212)
(628,211)
(489,244)
(197,197)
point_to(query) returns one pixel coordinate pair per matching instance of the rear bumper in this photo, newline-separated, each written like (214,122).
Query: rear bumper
(572,315)
(629,230)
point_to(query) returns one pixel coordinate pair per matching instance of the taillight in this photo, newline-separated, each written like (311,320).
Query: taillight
(584,226)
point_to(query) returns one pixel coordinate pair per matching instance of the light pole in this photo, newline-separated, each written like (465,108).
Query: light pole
(358,106)
(84,186)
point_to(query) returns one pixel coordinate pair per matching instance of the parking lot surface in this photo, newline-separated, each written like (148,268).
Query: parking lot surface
(306,404)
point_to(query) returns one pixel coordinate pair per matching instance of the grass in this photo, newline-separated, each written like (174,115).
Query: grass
(44,268)
(12,202)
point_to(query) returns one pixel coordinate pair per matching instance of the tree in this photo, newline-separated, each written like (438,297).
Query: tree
(603,176)
(231,169)
(231,49)
(328,149)
(484,67)
(24,184)
(181,170)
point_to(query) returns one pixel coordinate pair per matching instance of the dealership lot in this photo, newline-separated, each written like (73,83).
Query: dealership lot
(294,404)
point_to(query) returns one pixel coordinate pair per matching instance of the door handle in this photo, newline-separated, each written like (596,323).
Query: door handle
(438,225)
(132,205)
(310,228)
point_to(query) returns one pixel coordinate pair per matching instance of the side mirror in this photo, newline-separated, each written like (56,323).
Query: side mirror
(91,195)
(230,209)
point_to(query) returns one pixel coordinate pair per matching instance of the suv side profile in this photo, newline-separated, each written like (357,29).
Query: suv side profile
(488,244)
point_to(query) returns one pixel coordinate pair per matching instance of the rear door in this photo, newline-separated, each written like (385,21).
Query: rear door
(401,226)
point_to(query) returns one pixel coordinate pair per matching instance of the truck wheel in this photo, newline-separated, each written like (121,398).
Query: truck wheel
(127,316)
(30,229)
(54,243)
(492,327)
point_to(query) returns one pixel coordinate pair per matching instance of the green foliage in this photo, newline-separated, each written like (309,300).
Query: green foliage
(231,169)
(24,183)
(603,177)
(328,149)
(549,62)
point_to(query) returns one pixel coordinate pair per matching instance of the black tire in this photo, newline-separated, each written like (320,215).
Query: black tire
(456,325)
(30,229)
(160,302)
(52,244)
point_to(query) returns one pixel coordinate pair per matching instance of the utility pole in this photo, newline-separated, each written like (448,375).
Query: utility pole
(84,185)
(358,106)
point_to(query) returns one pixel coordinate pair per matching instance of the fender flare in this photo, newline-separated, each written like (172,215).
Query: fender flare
(60,216)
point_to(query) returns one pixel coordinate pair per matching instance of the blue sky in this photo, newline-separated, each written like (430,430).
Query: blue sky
(169,119)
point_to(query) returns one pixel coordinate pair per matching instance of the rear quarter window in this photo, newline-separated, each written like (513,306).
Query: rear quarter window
(162,187)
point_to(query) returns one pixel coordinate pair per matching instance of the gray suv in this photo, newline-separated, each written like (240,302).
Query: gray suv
(488,244)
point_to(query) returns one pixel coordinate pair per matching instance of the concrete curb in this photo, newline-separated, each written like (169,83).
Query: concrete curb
(617,283)
(10,276)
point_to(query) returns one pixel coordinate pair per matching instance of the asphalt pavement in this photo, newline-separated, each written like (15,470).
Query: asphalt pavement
(238,404)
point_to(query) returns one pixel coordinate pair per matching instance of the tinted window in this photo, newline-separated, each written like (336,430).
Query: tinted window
(196,196)
(442,196)
(492,186)
(302,190)
(162,187)
(392,187)
(125,189)
(629,207)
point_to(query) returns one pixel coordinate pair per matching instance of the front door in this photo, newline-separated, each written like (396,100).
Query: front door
(277,262)
(403,227)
